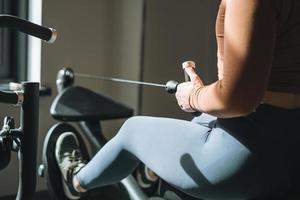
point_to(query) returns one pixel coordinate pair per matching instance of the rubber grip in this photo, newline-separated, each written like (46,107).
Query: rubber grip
(44,33)
(186,76)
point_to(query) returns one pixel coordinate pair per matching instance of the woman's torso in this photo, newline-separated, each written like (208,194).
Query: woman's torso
(285,72)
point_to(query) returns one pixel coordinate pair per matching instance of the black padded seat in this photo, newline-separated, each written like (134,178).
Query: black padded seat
(80,104)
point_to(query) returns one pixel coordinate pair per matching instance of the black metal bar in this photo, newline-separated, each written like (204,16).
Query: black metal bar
(28,151)
(8,97)
(44,33)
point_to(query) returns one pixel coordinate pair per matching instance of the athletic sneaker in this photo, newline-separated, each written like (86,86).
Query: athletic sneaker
(148,184)
(68,157)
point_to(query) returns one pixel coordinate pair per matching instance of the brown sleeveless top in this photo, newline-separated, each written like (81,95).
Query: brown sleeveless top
(258,51)
(285,74)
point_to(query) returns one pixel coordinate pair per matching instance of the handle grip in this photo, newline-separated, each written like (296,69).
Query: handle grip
(9,21)
(188,64)
(187,78)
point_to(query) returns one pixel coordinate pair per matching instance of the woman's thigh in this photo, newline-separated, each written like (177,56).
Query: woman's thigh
(193,156)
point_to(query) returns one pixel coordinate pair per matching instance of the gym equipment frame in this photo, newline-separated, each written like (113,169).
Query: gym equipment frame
(23,139)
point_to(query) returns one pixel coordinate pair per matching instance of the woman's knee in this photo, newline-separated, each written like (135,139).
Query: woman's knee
(131,126)
(131,134)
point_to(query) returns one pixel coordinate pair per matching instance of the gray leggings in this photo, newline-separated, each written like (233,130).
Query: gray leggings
(207,158)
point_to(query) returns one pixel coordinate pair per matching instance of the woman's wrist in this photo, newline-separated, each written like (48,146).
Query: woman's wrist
(193,103)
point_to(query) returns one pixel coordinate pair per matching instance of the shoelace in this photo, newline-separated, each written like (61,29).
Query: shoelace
(76,162)
(75,156)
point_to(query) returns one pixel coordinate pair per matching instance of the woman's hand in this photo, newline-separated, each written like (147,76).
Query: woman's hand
(184,89)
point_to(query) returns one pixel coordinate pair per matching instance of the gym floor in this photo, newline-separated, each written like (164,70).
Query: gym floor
(106,193)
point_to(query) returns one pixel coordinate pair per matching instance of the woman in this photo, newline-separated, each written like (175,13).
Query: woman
(245,142)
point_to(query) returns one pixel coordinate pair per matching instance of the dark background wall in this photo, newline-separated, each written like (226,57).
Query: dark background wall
(177,31)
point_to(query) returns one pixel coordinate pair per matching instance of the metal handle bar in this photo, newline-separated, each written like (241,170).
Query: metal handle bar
(8,97)
(44,33)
